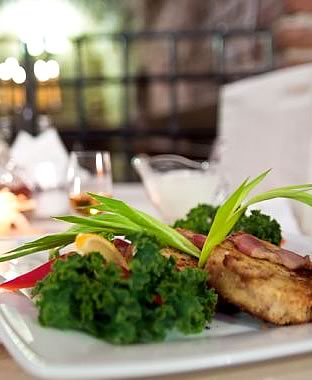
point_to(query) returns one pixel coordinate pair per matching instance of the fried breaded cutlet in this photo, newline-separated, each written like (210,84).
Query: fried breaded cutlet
(262,279)
(264,289)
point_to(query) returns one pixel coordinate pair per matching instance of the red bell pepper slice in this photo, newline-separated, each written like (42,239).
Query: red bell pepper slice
(29,279)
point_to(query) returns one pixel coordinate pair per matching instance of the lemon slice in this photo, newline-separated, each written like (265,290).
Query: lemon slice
(87,243)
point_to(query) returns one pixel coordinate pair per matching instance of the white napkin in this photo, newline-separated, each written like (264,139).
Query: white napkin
(266,122)
(44,158)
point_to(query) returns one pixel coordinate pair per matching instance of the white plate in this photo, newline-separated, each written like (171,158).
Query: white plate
(231,340)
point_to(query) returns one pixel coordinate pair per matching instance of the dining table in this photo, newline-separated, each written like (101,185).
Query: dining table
(288,367)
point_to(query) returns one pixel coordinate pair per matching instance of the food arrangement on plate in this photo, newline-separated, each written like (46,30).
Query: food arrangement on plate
(130,278)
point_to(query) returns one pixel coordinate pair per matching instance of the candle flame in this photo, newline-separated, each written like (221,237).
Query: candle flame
(77,185)
(99,164)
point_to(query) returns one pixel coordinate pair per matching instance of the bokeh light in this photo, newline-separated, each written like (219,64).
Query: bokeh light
(19,75)
(46,70)
(40,70)
(10,69)
(36,22)
(5,73)
(53,69)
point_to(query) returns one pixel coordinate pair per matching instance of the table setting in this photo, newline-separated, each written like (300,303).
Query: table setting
(300,365)
(233,345)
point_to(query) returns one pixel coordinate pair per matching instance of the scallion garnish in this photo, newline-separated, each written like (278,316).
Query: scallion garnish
(121,219)
(236,205)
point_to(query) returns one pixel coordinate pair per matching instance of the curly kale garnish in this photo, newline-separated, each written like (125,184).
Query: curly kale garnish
(87,294)
(260,225)
(199,219)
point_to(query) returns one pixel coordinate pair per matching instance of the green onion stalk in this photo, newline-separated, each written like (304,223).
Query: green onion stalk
(118,218)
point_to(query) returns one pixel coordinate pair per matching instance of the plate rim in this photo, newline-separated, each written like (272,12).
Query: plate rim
(37,365)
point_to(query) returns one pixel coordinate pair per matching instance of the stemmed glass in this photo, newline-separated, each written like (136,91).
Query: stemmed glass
(88,171)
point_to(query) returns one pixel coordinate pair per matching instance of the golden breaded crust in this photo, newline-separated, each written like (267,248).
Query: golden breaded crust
(183,260)
(264,289)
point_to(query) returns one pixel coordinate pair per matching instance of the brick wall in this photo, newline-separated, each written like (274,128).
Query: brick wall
(290,20)
(293,33)
(198,56)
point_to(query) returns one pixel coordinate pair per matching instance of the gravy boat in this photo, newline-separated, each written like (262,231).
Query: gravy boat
(175,184)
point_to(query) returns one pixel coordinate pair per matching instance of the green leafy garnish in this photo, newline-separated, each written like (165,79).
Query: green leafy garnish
(118,219)
(260,225)
(86,294)
(200,218)
(164,233)
(233,208)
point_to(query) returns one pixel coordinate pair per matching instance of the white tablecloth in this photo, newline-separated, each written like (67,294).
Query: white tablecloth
(53,203)
(56,203)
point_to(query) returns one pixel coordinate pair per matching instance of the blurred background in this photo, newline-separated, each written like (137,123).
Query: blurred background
(140,75)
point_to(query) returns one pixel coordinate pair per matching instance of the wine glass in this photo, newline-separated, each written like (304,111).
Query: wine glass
(88,171)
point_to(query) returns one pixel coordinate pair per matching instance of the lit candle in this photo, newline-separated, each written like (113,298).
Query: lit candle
(11,216)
